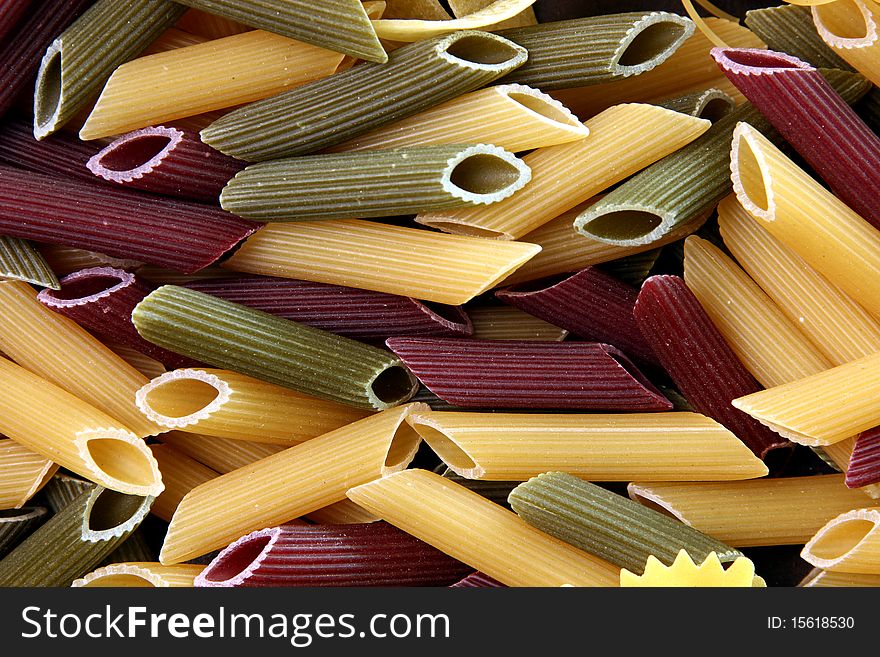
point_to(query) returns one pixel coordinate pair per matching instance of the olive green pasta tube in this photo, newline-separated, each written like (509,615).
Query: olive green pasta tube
(597,49)
(332,110)
(79,61)
(608,525)
(375,183)
(21,261)
(269,348)
(75,540)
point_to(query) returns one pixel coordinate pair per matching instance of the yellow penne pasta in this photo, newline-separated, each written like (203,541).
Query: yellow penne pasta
(774,511)
(512,116)
(415,30)
(849,543)
(821,409)
(690,68)
(172,39)
(53,423)
(480,533)
(767,343)
(806,217)
(509,323)
(849,28)
(290,484)
(22,473)
(837,326)
(140,574)
(220,454)
(449,269)
(59,350)
(232,71)
(231,405)
(819,578)
(180,474)
(462,8)
(597,447)
(344,512)
(623,140)
(147,366)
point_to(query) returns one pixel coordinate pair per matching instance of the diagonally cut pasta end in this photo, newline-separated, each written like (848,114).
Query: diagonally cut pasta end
(134,155)
(86,286)
(110,514)
(848,543)
(391,386)
(748,171)
(484,174)
(446,447)
(48,96)
(650,42)
(404,440)
(544,108)
(484,51)
(183,397)
(649,498)
(845,25)
(120,461)
(237,563)
(748,405)
(624,224)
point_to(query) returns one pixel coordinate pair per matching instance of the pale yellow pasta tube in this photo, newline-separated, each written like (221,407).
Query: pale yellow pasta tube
(597,447)
(416,30)
(849,543)
(623,140)
(837,326)
(180,474)
(818,578)
(147,366)
(172,39)
(220,454)
(290,484)
(512,116)
(690,68)
(849,28)
(509,323)
(480,533)
(140,574)
(449,269)
(227,404)
(22,474)
(767,343)
(806,217)
(344,512)
(821,409)
(59,350)
(774,511)
(231,71)
(53,423)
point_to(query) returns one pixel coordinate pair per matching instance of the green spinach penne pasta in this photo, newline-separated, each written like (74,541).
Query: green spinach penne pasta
(329,111)
(78,62)
(21,261)
(375,183)
(231,336)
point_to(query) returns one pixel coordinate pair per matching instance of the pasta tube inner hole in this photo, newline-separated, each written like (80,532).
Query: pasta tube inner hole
(750,176)
(447,449)
(127,580)
(483,49)
(845,20)
(48,97)
(404,444)
(134,153)
(840,539)
(181,397)
(484,173)
(239,558)
(624,224)
(122,461)
(393,385)
(112,509)
(650,43)
(85,287)
(541,107)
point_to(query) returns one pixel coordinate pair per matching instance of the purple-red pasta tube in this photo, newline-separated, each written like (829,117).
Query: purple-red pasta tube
(179,235)
(369,554)
(478,580)
(166,161)
(358,314)
(592,304)
(523,374)
(814,119)
(864,464)
(702,365)
(60,154)
(11,12)
(100,299)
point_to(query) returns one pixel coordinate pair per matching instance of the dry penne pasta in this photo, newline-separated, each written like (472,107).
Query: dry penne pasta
(849,543)
(819,578)
(233,71)
(232,405)
(499,543)
(678,446)
(568,174)
(73,434)
(512,116)
(22,474)
(775,511)
(140,575)
(219,454)
(849,28)
(180,474)
(311,475)
(448,269)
